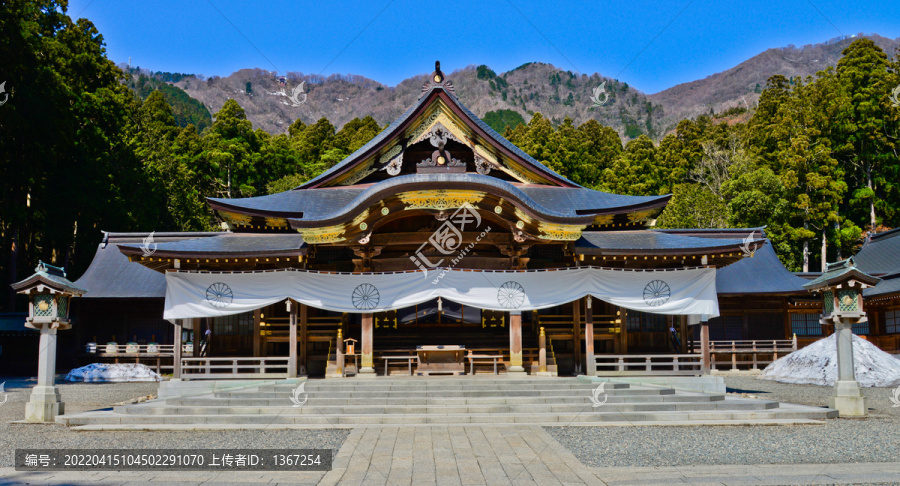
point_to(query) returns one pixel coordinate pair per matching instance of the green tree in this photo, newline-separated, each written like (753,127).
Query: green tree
(230,146)
(66,167)
(693,206)
(500,120)
(597,148)
(636,171)
(862,139)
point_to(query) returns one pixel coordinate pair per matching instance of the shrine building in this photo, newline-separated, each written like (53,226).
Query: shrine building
(438,247)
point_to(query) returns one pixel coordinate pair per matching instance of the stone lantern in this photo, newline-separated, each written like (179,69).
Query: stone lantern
(49,298)
(842,287)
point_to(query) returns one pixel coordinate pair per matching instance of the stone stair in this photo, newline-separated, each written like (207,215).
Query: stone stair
(443,401)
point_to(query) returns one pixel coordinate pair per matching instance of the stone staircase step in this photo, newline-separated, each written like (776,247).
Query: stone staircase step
(399,400)
(463,393)
(611,423)
(442,409)
(440,401)
(450,419)
(475,385)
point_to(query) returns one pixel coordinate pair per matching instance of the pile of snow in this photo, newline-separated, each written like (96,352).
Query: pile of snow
(816,364)
(101,372)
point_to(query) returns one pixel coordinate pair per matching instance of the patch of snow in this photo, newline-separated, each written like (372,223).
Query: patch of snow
(816,364)
(106,372)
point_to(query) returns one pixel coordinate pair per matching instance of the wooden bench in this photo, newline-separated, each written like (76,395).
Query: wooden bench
(409,360)
(482,357)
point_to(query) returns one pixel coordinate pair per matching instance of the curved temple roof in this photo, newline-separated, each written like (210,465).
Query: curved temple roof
(226,245)
(651,242)
(544,194)
(558,204)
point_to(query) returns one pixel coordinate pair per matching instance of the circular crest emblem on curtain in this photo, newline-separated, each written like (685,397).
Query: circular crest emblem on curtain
(511,295)
(365,296)
(657,293)
(219,295)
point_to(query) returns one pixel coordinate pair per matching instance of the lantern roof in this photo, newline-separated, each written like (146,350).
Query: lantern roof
(837,273)
(47,277)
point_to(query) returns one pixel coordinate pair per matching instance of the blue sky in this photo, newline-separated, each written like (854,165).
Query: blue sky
(652,45)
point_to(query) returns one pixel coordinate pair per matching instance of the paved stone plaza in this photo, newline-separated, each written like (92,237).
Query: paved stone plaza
(480,455)
(500,454)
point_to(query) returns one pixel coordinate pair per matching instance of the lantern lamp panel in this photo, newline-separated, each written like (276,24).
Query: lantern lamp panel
(828,298)
(43,305)
(63,306)
(847,299)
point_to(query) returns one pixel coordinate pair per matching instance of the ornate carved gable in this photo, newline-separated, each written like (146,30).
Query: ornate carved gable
(437,136)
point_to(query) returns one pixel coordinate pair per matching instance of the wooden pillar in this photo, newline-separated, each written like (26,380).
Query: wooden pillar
(176,357)
(576,334)
(542,352)
(256,332)
(367,366)
(623,330)
(590,362)
(704,346)
(682,320)
(198,336)
(304,338)
(339,353)
(292,342)
(515,344)
(208,337)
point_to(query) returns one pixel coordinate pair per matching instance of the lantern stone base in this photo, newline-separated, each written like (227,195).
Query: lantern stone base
(44,404)
(848,400)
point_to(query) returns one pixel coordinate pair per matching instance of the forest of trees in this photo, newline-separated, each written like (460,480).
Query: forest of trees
(817,163)
(81,151)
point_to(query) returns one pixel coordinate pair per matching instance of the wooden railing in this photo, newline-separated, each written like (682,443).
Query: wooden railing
(648,364)
(249,368)
(749,352)
(139,350)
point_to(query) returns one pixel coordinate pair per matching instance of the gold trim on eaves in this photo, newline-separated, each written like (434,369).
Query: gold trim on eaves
(314,236)
(559,232)
(439,199)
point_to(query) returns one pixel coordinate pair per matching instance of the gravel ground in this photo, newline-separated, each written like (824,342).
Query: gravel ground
(874,439)
(91,396)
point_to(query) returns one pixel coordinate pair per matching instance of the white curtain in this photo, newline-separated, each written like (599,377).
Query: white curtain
(207,294)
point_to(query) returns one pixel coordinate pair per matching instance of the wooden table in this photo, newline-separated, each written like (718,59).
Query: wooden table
(409,359)
(473,357)
(440,359)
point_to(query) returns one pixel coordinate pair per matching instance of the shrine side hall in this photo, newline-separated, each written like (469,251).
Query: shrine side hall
(437,233)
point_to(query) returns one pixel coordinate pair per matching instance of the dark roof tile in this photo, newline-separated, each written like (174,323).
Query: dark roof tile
(228,244)
(881,254)
(648,241)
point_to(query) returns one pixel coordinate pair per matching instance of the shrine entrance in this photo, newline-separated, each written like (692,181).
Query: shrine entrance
(441,322)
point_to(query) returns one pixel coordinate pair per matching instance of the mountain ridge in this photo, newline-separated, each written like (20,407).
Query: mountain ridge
(527,89)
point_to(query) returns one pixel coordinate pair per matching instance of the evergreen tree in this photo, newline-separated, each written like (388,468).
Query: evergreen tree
(862,141)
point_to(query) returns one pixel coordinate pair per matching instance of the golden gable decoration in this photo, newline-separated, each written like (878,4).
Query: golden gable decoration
(440,199)
(559,232)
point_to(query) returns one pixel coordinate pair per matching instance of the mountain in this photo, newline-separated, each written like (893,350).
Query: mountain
(185,109)
(741,85)
(527,89)
(530,88)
